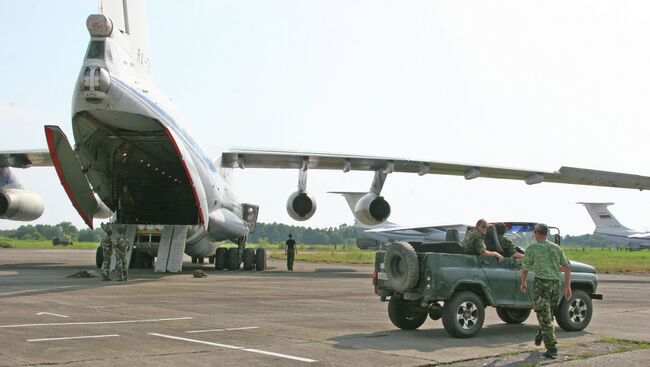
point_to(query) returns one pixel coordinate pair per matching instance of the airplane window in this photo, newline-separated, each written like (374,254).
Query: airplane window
(96,50)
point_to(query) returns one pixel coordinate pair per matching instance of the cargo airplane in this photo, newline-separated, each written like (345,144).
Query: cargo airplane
(608,227)
(133,161)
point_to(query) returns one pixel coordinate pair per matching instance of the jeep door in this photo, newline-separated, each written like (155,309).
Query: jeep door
(502,278)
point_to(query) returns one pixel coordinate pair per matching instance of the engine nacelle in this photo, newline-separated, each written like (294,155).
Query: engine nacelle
(301,205)
(372,209)
(20,205)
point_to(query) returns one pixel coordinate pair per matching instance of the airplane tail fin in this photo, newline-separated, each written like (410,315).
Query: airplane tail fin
(601,216)
(351,197)
(130,19)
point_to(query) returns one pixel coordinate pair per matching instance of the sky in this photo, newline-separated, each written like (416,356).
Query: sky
(525,84)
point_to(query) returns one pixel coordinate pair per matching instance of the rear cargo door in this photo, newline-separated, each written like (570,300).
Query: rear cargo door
(72,178)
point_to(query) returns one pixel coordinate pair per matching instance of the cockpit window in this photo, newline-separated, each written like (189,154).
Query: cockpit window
(96,50)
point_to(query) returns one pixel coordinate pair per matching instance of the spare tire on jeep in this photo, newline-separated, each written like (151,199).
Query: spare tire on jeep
(401,266)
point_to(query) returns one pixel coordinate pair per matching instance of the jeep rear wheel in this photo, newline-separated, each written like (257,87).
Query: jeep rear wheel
(406,315)
(401,266)
(513,315)
(463,315)
(575,314)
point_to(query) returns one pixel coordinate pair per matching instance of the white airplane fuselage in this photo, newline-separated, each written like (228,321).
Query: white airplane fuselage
(139,156)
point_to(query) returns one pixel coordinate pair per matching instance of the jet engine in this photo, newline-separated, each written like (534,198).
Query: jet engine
(372,209)
(301,205)
(20,205)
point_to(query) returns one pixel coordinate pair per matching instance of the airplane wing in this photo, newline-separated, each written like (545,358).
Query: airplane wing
(26,158)
(422,228)
(249,158)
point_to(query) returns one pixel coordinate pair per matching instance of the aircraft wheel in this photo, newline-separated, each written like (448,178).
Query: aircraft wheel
(233,259)
(260,259)
(99,257)
(200,260)
(249,259)
(220,258)
(193,260)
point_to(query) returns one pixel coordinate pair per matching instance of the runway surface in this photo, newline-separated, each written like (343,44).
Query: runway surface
(318,315)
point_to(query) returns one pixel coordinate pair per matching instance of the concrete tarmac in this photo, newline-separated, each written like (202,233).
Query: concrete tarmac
(320,314)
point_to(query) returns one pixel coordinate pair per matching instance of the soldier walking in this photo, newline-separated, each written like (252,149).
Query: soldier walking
(107,251)
(290,250)
(121,249)
(545,259)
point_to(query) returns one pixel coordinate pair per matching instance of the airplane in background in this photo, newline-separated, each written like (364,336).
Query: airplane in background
(608,227)
(134,162)
(373,236)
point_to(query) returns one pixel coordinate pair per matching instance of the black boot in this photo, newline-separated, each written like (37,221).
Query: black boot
(551,353)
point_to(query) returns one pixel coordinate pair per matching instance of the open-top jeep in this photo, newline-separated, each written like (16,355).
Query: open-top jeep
(437,280)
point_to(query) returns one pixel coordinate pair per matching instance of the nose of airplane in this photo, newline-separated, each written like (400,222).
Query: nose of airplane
(95,84)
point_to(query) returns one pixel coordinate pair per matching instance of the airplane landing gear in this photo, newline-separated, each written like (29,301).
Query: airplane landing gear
(233,258)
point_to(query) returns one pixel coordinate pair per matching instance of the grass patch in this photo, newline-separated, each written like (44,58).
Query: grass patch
(624,343)
(44,244)
(352,257)
(612,261)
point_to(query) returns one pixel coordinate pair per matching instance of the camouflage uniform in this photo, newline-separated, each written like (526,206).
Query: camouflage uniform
(507,245)
(107,250)
(291,253)
(474,242)
(545,258)
(121,249)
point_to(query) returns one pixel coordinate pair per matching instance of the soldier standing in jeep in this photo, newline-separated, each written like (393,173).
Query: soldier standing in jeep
(545,259)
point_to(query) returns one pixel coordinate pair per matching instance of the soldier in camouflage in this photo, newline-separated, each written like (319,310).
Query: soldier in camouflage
(121,249)
(509,249)
(545,259)
(107,251)
(474,241)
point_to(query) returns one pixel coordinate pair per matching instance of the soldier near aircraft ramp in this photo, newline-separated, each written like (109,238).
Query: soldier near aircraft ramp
(121,249)
(545,258)
(107,250)
(290,250)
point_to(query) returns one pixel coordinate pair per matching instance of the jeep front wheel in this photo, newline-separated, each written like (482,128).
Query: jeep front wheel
(406,315)
(513,315)
(463,315)
(575,314)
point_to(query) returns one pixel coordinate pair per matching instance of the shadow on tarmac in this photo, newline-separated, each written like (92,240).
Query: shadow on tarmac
(436,339)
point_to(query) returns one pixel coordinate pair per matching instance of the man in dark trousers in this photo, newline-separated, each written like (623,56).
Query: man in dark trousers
(546,259)
(290,250)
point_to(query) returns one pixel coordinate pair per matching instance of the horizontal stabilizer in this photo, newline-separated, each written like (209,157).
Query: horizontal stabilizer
(26,159)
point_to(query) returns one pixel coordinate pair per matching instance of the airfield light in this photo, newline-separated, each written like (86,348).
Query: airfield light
(99,25)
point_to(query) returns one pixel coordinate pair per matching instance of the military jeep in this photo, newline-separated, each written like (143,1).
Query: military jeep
(438,281)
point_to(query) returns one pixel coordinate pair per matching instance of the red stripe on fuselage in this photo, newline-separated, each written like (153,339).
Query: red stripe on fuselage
(49,135)
(187,172)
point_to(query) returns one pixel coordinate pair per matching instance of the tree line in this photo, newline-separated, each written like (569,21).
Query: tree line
(264,233)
